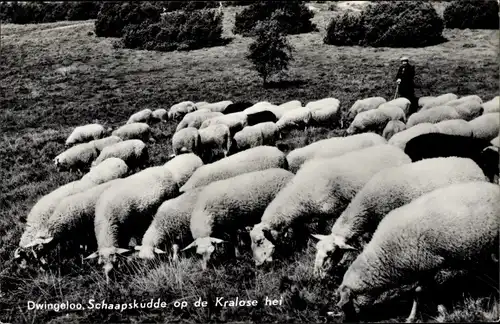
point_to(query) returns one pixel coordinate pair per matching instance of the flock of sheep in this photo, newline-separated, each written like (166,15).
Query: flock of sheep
(418,199)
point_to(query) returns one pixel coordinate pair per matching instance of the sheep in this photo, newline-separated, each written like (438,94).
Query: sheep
(469,110)
(252,136)
(387,190)
(322,103)
(433,115)
(78,157)
(221,211)
(365,105)
(331,147)
(170,226)
(280,110)
(183,166)
(440,100)
(321,189)
(460,225)
(160,114)
(134,152)
(142,116)
(196,118)
(111,168)
(254,159)
(261,117)
(371,120)
(492,106)
(85,133)
(259,106)
(218,106)
(426,100)
(295,118)
(400,139)
(235,121)
(125,210)
(291,104)
(100,144)
(464,99)
(393,127)
(486,126)
(140,131)
(428,146)
(325,111)
(237,107)
(215,141)
(394,112)
(180,109)
(454,127)
(199,105)
(186,140)
(495,142)
(401,102)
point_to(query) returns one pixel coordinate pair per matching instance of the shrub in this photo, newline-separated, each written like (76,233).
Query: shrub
(347,30)
(83,10)
(477,14)
(239,3)
(176,31)
(270,52)
(188,5)
(294,13)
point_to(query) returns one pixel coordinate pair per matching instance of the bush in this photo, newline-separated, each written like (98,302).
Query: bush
(239,3)
(83,10)
(188,5)
(389,24)
(270,52)
(115,16)
(294,14)
(176,31)
(477,14)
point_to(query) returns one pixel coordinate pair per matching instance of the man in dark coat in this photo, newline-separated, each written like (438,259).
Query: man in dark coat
(404,79)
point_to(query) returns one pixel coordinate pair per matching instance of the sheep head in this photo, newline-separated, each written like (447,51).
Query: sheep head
(205,247)
(263,243)
(329,251)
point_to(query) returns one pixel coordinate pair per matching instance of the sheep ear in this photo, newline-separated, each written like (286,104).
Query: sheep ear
(92,256)
(340,242)
(268,235)
(158,251)
(121,251)
(216,240)
(319,237)
(193,244)
(137,247)
(47,240)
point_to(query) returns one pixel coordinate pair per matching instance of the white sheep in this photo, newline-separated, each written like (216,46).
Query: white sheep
(454,227)
(180,109)
(109,169)
(215,140)
(140,131)
(394,112)
(258,107)
(492,105)
(440,101)
(433,115)
(426,100)
(464,99)
(365,105)
(322,103)
(295,118)
(486,126)
(183,166)
(85,133)
(221,210)
(495,142)
(133,152)
(186,140)
(280,110)
(142,116)
(331,147)
(400,139)
(78,157)
(325,111)
(251,136)
(400,102)
(387,190)
(321,189)
(371,120)
(291,104)
(200,104)
(160,114)
(100,144)
(469,110)
(454,127)
(196,118)
(393,127)
(219,106)
(125,210)
(254,159)
(235,121)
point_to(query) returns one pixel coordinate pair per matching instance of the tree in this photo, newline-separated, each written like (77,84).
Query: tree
(271,51)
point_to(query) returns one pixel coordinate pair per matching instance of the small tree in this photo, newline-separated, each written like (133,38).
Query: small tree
(271,52)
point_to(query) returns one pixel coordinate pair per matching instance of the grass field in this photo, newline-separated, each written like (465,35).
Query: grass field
(57,76)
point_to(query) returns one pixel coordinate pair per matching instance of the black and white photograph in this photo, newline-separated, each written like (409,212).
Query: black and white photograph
(263,161)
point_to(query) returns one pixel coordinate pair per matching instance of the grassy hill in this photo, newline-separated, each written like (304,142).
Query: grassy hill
(56,76)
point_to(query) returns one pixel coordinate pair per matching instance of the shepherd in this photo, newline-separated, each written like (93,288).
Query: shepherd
(404,79)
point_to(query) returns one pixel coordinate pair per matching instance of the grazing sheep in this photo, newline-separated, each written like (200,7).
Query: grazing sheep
(196,118)
(433,115)
(100,144)
(237,107)
(259,106)
(254,159)
(295,118)
(365,105)
(492,106)
(142,116)
(325,111)
(125,210)
(495,142)
(200,104)
(322,103)
(253,136)
(280,110)
(331,147)
(85,133)
(426,100)
(454,127)
(140,131)
(215,141)
(134,152)
(469,110)
(183,166)
(400,102)
(78,157)
(321,189)
(400,139)
(371,120)
(221,211)
(180,109)
(393,127)
(387,190)
(440,101)
(219,106)
(160,114)
(464,99)
(291,104)
(235,121)
(394,112)
(429,146)
(187,140)
(261,117)
(486,126)
(109,169)
(454,227)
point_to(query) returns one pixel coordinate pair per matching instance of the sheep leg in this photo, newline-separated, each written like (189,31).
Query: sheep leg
(413,312)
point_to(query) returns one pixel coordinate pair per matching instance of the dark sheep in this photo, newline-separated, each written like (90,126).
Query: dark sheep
(434,145)
(261,117)
(237,107)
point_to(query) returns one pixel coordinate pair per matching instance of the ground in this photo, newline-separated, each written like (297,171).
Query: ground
(60,75)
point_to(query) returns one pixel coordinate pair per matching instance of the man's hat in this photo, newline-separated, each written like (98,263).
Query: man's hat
(404,58)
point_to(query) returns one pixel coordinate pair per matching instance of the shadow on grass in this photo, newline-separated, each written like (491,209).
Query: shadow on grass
(284,84)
